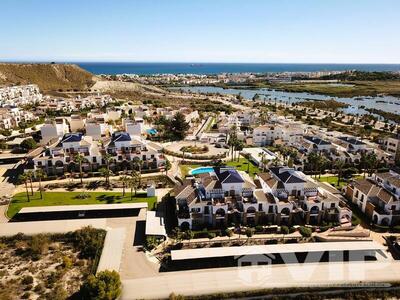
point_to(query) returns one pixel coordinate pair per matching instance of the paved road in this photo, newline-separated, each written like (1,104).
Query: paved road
(259,277)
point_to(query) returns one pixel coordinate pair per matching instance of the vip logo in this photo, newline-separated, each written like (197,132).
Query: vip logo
(254,268)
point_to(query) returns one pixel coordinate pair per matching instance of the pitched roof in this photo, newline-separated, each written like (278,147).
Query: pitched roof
(72,137)
(121,137)
(351,140)
(268,179)
(316,140)
(228,175)
(286,175)
(364,185)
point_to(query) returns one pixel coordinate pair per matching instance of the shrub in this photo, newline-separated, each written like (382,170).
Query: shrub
(67,262)
(306,232)
(28,279)
(28,144)
(355,221)
(211,235)
(229,232)
(249,232)
(57,293)
(284,229)
(259,228)
(89,241)
(38,245)
(106,285)
(39,288)
(292,229)
(151,242)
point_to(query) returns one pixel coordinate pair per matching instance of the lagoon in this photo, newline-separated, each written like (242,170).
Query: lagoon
(385,103)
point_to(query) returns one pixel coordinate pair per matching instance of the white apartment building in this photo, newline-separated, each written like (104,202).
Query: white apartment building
(124,149)
(392,145)
(266,134)
(20,95)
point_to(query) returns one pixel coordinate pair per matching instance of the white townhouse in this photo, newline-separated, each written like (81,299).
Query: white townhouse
(223,197)
(378,197)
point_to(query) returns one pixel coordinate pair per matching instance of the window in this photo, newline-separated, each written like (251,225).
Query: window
(95,159)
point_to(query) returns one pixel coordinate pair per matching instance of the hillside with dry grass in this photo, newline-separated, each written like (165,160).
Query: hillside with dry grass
(49,77)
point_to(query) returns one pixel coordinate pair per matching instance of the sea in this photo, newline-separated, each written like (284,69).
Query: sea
(113,68)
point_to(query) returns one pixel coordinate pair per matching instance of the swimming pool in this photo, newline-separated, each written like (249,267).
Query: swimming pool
(151,131)
(201,170)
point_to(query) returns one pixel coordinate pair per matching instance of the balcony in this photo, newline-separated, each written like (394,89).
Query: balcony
(183,215)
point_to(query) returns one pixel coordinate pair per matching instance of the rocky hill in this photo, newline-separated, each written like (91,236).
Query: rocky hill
(49,77)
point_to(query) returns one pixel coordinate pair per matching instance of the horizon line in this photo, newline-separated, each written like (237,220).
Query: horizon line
(192,62)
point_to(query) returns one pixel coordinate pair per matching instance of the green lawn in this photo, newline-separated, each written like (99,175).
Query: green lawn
(242,165)
(239,165)
(333,180)
(186,168)
(70,198)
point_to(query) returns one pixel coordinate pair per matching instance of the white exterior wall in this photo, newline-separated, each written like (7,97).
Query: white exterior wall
(134,129)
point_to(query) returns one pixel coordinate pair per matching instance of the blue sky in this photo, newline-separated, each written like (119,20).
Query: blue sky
(278,31)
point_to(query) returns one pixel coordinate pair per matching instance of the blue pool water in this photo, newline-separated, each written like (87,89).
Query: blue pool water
(151,131)
(201,170)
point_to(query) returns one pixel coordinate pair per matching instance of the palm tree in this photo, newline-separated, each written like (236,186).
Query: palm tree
(372,162)
(167,166)
(232,140)
(107,158)
(275,162)
(138,163)
(30,175)
(313,161)
(322,162)
(239,145)
(40,175)
(79,158)
(106,174)
(134,182)
(262,155)
(24,178)
(125,180)
(339,164)
(363,163)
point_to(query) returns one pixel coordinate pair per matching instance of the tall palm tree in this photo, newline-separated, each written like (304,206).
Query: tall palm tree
(107,158)
(40,175)
(106,174)
(24,178)
(134,182)
(372,162)
(262,155)
(138,164)
(313,161)
(79,159)
(363,163)
(125,180)
(339,164)
(30,175)
(239,145)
